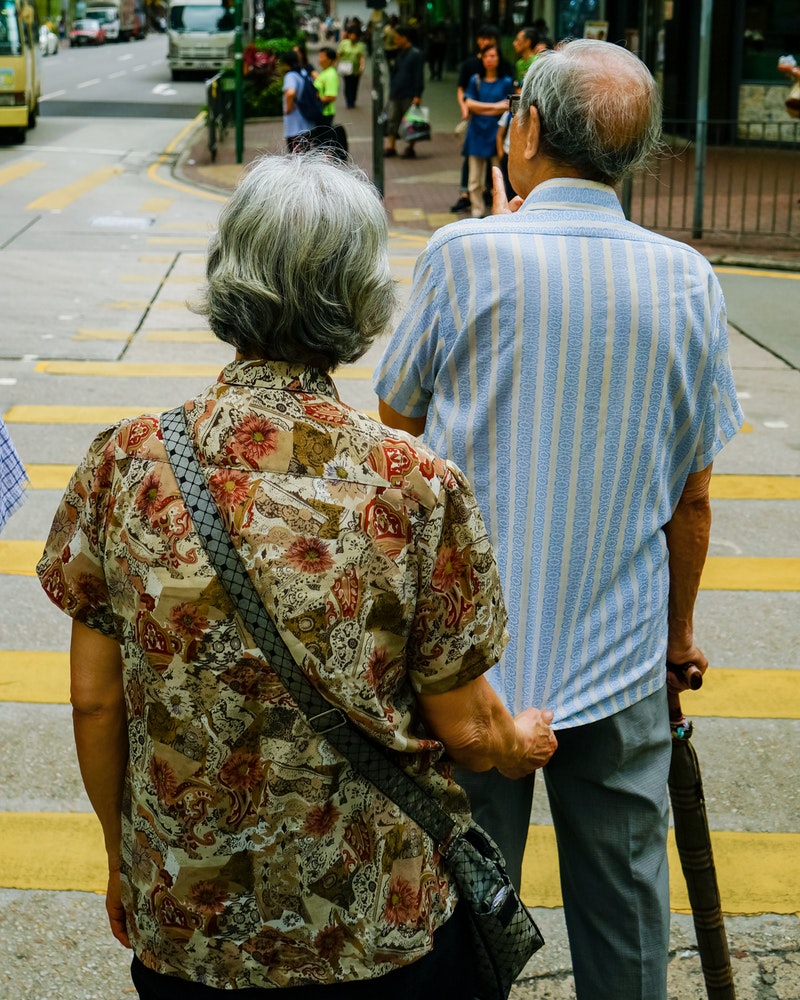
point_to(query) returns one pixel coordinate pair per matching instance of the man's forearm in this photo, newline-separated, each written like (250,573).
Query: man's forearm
(687,535)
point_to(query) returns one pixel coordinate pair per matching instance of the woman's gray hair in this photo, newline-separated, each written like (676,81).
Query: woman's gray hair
(298,270)
(599,108)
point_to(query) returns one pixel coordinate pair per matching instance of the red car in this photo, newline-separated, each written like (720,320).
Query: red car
(86,32)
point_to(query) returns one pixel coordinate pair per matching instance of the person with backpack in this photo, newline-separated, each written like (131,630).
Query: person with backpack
(302,107)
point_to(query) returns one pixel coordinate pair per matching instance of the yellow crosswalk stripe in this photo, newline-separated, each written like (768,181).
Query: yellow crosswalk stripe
(126,369)
(755,487)
(21,169)
(48,477)
(103,415)
(179,337)
(749,573)
(65,196)
(724,573)
(86,334)
(156,204)
(757,871)
(34,676)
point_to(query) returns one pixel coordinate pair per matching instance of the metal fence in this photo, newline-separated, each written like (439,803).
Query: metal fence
(750,183)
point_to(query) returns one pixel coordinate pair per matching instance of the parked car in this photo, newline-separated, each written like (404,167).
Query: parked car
(86,32)
(48,41)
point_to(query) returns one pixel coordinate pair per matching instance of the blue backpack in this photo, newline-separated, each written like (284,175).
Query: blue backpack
(307,101)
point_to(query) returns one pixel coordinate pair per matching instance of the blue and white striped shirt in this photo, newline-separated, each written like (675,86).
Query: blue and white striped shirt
(576,367)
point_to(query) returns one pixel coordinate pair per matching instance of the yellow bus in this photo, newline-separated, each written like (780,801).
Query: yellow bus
(20,61)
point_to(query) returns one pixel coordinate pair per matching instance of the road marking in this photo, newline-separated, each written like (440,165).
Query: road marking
(178,240)
(749,573)
(166,159)
(124,369)
(67,195)
(89,83)
(757,872)
(84,334)
(755,487)
(156,204)
(179,337)
(117,75)
(125,58)
(36,677)
(103,415)
(127,304)
(50,97)
(17,170)
(48,477)
(755,273)
(138,69)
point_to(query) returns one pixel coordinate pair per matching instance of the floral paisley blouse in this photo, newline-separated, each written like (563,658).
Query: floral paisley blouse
(253,854)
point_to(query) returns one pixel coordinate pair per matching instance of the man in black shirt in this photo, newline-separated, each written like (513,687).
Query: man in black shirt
(406,83)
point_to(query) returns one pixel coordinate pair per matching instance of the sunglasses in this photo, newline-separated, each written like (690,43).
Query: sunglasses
(513,103)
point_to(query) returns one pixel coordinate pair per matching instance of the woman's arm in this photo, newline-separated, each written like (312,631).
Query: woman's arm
(484,108)
(101,739)
(479,733)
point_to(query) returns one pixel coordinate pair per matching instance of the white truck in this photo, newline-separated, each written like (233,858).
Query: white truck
(116,17)
(200,35)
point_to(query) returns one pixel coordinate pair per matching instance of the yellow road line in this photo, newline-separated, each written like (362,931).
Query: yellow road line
(139,370)
(19,558)
(35,676)
(196,241)
(21,169)
(165,159)
(757,872)
(156,258)
(48,477)
(180,336)
(728,693)
(84,334)
(103,415)
(66,195)
(755,487)
(156,205)
(723,573)
(756,273)
(747,573)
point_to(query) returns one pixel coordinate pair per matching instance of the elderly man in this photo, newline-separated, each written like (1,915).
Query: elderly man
(576,367)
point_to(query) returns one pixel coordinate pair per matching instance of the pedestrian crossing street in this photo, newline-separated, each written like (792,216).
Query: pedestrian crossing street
(60,848)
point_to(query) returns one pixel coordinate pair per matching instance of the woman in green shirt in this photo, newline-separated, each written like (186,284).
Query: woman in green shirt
(352,58)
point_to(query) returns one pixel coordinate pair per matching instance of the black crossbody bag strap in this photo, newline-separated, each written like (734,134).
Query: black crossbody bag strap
(366,756)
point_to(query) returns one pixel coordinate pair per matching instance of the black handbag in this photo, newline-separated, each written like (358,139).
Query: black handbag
(504,935)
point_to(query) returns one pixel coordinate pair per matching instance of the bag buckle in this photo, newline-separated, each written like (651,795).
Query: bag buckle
(336,725)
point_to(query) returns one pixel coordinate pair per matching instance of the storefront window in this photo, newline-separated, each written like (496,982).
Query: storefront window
(772,29)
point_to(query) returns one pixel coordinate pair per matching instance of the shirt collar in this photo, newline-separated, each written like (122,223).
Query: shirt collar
(573,192)
(278,375)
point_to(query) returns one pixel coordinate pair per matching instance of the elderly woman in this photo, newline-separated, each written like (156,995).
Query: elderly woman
(244,852)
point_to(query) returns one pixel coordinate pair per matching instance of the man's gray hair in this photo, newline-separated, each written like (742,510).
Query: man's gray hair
(599,107)
(298,270)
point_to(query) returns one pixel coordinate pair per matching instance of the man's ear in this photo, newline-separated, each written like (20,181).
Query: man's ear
(532,132)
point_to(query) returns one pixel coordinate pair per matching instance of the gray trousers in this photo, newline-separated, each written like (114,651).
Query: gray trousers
(607,785)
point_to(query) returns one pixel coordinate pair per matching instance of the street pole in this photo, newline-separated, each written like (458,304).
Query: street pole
(378,122)
(701,138)
(238,70)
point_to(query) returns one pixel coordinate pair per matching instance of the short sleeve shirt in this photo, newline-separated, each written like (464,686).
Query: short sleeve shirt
(327,84)
(294,123)
(577,381)
(253,854)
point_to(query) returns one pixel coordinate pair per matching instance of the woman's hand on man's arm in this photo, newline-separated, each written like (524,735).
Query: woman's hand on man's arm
(479,733)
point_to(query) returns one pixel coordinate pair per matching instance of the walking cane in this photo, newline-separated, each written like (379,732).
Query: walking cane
(693,840)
